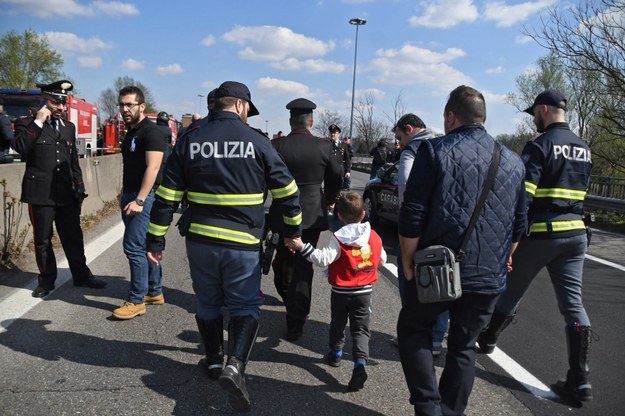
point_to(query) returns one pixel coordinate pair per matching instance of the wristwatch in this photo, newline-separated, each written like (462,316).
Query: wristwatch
(139,201)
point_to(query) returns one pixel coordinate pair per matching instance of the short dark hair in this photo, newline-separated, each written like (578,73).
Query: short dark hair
(224,102)
(300,120)
(350,207)
(131,89)
(408,119)
(467,104)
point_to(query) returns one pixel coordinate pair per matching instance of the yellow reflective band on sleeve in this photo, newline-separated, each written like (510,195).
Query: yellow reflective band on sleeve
(557,226)
(225,199)
(223,234)
(296,220)
(157,230)
(288,190)
(530,188)
(169,194)
(560,193)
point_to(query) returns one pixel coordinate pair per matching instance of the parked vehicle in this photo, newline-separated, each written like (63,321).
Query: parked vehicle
(381,195)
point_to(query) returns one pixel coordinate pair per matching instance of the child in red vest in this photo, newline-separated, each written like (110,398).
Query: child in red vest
(352,256)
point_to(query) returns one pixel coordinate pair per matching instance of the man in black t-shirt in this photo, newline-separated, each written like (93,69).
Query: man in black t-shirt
(142,152)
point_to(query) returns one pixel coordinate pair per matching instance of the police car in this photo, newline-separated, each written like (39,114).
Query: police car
(381,195)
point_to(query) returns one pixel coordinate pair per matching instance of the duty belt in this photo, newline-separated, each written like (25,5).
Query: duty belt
(557,226)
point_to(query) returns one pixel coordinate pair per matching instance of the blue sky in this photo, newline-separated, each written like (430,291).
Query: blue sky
(288,49)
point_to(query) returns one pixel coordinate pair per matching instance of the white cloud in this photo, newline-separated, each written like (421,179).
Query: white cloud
(71,8)
(497,70)
(523,39)
(133,64)
(209,85)
(69,42)
(314,66)
(115,8)
(374,92)
(413,65)
(273,43)
(208,40)
(169,69)
(493,98)
(445,13)
(275,86)
(508,15)
(90,61)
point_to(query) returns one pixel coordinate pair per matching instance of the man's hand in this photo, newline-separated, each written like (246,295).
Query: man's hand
(348,174)
(408,247)
(132,208)
(155,257)
(43,114)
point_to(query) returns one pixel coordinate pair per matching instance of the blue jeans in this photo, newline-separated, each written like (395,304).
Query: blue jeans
(224,276)
(442,322)
(564,259)
(145,277)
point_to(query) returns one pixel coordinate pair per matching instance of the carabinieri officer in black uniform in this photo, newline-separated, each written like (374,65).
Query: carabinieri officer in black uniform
(53,187)
(311,162)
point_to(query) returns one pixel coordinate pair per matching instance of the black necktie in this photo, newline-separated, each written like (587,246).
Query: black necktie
(54,124)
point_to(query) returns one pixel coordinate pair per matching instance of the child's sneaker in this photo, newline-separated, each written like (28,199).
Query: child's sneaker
(359,376)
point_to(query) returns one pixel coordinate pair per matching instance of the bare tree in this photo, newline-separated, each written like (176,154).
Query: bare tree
(368,128)
(108,97)
(399,109)
(323,120)
(588,39)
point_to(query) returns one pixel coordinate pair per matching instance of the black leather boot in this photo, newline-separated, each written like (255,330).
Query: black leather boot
(242,332)
(576,386)
(488,337)
(212,333)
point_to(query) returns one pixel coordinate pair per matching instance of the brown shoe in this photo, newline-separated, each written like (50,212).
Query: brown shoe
(129,310)
(154,300)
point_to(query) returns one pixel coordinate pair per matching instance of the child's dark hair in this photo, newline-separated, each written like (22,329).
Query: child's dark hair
(350,207)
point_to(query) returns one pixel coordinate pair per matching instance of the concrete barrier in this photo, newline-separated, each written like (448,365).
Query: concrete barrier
(103,183)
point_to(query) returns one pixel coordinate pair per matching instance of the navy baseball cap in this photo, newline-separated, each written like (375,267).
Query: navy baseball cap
(237,90)
(548,97)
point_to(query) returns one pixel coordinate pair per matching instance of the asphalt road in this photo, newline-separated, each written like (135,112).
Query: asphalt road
(66,355)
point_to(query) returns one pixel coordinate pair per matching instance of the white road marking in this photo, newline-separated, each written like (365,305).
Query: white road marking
(21,301)
(606,262)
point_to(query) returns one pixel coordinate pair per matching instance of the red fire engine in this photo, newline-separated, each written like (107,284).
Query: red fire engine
(115,129)
(20,103)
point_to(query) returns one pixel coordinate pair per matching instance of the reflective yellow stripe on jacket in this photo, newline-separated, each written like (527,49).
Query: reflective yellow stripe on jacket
(562,193)
(169,194)
(225,199)
(158,230)
(294,221)
(556,226)
(284,192)
(223,233)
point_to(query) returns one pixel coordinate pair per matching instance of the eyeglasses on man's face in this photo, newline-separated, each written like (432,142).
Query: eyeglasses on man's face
(128,106)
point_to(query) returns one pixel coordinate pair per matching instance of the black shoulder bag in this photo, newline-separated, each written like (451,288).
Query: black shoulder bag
(437,268)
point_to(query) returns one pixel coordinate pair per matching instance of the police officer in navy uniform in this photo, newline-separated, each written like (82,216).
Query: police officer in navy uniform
(311,162)
(225,168)
(6,135)
(557,166)
(53,187)
(342,152)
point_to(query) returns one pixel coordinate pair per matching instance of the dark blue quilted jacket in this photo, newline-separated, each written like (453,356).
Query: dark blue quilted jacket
(443,188)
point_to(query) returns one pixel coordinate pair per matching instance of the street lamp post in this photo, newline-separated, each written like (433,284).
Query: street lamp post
(200,96)
(267,126)
(356,22)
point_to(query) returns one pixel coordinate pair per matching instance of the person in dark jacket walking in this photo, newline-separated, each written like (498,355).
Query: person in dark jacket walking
(225,179)
(342,152)
(311,163)
(381,154)
(557,165)
(447,174)
(53,187)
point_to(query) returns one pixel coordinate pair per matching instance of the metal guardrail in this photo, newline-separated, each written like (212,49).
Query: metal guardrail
(606,204)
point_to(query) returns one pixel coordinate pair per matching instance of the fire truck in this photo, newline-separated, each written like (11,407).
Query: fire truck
(115,129)
(20,103)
